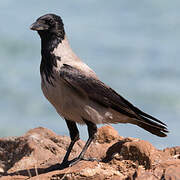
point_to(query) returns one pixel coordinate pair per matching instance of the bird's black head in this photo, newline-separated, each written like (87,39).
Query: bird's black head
(48,26)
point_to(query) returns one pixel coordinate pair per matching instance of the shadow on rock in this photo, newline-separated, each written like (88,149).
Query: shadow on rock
(39,151)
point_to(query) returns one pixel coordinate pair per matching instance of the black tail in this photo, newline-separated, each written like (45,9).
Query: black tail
(146,123)
(157,129)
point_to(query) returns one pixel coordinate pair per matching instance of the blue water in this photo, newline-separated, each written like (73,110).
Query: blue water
(133,46)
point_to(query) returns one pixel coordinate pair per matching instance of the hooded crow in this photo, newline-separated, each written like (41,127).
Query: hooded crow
(76,92)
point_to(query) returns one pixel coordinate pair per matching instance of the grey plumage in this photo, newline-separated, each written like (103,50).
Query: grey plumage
(77,93)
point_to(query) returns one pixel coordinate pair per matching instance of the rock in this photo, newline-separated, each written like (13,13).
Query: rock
(174,151)
(31,155)
(173,172)
(106,134)
(147,176)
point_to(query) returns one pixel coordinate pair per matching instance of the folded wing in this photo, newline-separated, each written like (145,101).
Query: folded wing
(100,93)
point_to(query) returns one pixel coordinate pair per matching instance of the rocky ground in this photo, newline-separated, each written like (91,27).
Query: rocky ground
(33,155)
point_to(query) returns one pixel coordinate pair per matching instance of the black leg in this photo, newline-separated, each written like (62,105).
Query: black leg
(92,129)
(74,134)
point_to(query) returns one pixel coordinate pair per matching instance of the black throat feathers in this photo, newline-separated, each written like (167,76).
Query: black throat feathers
(48,43)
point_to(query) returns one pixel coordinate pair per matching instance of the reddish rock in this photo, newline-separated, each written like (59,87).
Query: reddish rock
(107,134)
(173,172)
(173,151)
(30,155)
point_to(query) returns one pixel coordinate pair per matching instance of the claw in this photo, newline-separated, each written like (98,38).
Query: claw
(90,159)
(76,160)
(66,164)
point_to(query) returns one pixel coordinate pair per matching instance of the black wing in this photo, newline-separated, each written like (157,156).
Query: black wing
(104,95)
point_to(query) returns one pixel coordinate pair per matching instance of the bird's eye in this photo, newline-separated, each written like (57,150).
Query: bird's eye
(51,22)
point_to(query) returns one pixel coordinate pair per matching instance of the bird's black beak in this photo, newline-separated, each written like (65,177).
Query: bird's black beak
(39,26)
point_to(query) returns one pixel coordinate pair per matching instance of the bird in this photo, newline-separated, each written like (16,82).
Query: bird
(76,92)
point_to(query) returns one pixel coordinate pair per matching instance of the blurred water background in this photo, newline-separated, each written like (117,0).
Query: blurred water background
(133,46)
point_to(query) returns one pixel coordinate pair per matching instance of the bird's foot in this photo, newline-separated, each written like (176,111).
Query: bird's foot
(66,164)
(63,165)
(90,159)
(54,168)
(76,160)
